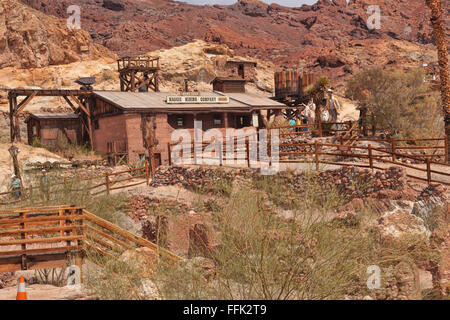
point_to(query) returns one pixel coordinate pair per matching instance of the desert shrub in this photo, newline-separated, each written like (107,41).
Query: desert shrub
(108,75)
(36,142)
(263,256)
(403,104)
(111,278)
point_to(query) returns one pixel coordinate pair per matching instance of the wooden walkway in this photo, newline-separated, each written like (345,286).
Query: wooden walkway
(53,237)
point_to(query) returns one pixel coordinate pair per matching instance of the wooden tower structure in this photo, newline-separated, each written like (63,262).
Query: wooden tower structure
(138,74)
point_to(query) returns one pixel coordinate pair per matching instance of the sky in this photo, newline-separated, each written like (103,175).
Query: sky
(288,3)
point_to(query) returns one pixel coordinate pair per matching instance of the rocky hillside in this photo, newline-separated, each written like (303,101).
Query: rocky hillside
(285,36)
(195,61)
(31,39)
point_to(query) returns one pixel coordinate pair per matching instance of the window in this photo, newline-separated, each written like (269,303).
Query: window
(218,120)
(180,121)
(96,125)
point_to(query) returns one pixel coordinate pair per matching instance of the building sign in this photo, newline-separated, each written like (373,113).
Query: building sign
(196,99)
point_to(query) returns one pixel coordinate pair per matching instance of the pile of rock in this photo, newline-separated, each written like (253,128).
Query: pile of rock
(5,279)
(190,177)
(356,182)
(141,207)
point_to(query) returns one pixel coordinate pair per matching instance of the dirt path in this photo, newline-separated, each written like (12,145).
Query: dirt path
(44,292)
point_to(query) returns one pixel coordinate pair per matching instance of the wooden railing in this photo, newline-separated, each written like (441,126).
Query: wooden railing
(395,145)
(107,183)
(316,128)
(139,62)
(320,153)
(372,155)
(52,237)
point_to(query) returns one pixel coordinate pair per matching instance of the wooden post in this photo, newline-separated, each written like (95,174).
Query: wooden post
(374,125)
(147,173)
(316,152)
(370,157)
(133,81)
(446,149)
(89,116)
(341,150)
(17,128)
(170,155)
(107,183)
(61,223)
(12,110)
(79,257)
(393,149)
(68,223)
(220,146)
(23,236)
(247,147)
(428,170)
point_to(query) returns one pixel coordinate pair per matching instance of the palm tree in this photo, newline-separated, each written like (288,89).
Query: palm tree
(437,22)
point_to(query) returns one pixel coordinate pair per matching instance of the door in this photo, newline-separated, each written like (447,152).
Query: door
(241,71)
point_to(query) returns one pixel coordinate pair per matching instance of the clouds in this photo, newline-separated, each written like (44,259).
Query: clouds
(288,3)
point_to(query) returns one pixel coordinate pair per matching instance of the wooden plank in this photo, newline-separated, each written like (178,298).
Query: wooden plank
(37,219)
(39,251)
(40,240)
(86,111)
(36,230)
(128,186)
(129,236)
(24,103)
(53,261)
(54,209)
(107,236)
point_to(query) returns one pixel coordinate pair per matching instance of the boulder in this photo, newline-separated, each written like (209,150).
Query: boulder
(114,5)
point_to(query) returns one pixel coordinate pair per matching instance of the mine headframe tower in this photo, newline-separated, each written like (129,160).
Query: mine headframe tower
(139,74)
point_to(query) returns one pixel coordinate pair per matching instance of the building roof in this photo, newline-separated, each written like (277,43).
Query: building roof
(231,79)
(242,61)
(254,100)
(156,101)
(60,115)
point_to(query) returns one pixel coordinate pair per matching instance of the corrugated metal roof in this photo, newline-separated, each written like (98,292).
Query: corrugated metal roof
(61,115)
(157,101)
(254,100)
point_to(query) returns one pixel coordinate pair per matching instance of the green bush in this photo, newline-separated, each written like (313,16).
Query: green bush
(403,104)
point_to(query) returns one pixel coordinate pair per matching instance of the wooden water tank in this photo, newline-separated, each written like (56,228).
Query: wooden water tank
(291,83)
(286,83)
(306,79)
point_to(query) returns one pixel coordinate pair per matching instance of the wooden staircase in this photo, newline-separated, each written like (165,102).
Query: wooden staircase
(53,237)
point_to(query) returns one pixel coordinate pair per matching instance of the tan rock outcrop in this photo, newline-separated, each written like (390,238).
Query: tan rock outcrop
(31,39)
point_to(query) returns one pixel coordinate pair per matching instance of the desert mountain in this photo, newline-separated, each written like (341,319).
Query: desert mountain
(31,39)
(285,36)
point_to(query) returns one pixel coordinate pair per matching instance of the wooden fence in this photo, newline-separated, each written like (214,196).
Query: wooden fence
(108,184)
(322,153)
(419,145)
(316,128)
(52,237)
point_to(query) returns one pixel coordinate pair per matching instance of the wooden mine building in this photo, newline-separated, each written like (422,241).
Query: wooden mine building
(53,130)
(130,123)
(124,122)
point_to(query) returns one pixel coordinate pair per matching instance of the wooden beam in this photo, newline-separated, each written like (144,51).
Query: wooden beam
(11,117)
(81,105)
(39,251)
(24,103)
(40,240)
(70,104)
